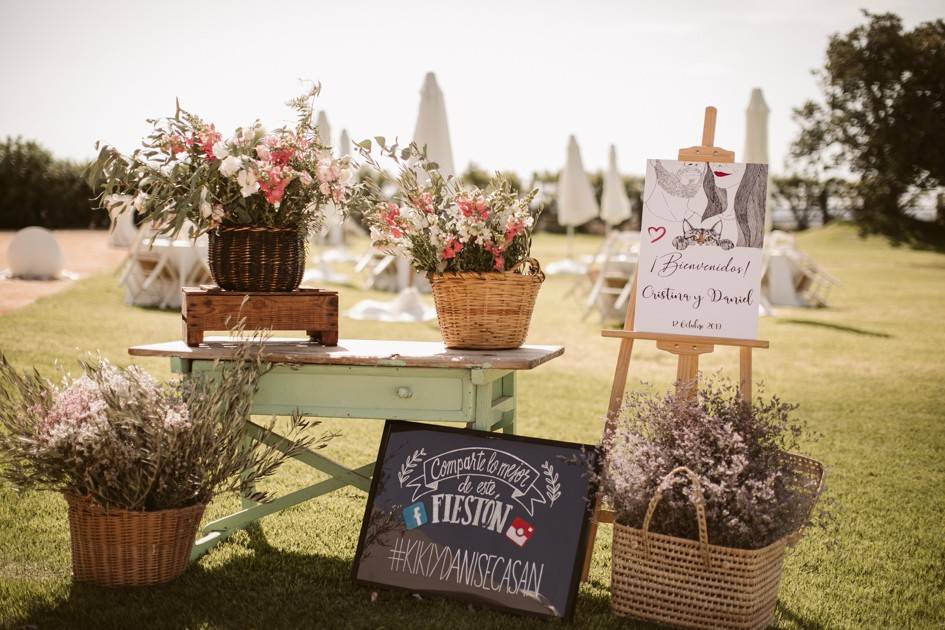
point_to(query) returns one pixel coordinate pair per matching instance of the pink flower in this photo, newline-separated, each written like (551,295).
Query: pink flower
(497,254)
(424,202)
(262,152)
(453,247)
(473,207)
(390,214)
(174,144)
(206,138)
(513,229)
(281,156)
(273,185)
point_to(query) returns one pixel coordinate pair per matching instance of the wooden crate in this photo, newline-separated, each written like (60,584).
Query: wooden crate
(213,309)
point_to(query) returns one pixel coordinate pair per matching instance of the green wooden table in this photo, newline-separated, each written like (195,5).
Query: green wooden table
(360,378)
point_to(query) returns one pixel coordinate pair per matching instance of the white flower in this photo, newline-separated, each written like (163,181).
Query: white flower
(324,171)
(230,165)
(305,178)
(247,181)
(139,201)
(248,135)
(219,150)
(344,175)
(205,209)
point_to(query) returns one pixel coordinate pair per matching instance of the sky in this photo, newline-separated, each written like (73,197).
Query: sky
(518,76)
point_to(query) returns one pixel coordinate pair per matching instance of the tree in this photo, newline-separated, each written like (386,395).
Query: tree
(37,189)
(881,121)
(808,197)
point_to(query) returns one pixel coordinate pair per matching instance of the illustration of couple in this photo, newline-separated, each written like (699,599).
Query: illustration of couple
(714,203)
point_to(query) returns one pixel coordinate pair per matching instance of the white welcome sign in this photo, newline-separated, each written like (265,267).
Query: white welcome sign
(701,249)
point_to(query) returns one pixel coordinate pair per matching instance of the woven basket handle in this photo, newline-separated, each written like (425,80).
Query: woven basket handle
(534,268)
(699,503)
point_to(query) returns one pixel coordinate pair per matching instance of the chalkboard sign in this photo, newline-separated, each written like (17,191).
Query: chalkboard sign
(496,519)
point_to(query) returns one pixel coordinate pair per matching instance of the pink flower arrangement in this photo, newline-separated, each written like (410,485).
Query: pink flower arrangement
(443,226)
(283,178)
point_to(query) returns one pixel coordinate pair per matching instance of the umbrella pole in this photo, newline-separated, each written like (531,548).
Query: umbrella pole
(569,251)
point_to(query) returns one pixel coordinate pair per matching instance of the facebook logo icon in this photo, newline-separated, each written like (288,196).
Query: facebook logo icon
(415,515)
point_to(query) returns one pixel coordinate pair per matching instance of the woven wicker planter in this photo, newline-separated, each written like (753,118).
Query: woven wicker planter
(257,259)
(486,311)
(692,584)
(123,548)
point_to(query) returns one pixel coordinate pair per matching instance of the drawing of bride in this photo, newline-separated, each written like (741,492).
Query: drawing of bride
(735,193)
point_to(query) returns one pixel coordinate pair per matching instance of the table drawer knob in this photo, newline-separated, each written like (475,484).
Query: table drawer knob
(404,392)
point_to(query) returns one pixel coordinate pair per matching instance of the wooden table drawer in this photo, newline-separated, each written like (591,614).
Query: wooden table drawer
(363,392)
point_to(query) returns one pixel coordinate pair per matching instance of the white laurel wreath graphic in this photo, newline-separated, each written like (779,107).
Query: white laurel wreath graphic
(552,487)
(409,465)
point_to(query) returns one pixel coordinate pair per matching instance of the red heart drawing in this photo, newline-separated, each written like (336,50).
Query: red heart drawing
(656,230)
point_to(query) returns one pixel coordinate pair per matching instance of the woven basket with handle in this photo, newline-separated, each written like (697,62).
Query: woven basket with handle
(257,258)
(692,584)
(486,311)
(124,548)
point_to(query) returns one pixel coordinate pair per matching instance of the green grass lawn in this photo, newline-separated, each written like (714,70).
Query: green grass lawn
(868,373)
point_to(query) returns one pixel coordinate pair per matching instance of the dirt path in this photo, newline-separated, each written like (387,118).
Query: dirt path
(85,252)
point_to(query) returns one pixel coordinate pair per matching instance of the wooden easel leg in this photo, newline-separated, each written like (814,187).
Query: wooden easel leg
(617,390)
(744,368)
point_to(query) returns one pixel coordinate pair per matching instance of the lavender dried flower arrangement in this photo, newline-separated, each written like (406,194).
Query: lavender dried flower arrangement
(752,495)
(124,440)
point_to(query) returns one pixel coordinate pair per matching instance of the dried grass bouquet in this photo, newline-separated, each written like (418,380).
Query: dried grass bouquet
(124,440)
(753,496)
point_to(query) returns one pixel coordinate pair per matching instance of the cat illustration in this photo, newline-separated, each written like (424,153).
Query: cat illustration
(702,236)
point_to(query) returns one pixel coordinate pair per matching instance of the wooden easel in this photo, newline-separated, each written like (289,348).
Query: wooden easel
(687,348)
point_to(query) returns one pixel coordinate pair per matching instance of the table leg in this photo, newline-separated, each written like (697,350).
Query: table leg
(339,476)
(219,530)
(495,401)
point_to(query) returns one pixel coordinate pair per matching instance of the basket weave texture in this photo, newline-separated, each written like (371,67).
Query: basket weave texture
(257,258)
(486,311)
(692,584)
(123,548)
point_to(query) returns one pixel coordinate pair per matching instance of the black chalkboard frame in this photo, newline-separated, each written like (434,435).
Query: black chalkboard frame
(579,552)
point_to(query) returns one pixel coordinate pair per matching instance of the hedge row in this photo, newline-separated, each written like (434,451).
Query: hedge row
(37,189)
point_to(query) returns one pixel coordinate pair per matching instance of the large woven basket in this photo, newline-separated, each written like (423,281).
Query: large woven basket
(123,548)
(690,584)
(486,311)
(257,259)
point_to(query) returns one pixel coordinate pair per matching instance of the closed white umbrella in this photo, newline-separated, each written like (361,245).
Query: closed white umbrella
(432,129)
(344,144)
(324,129)
(756,129)
(576,205)
(614,203)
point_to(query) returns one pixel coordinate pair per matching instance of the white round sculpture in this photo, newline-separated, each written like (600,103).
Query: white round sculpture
(34,254)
